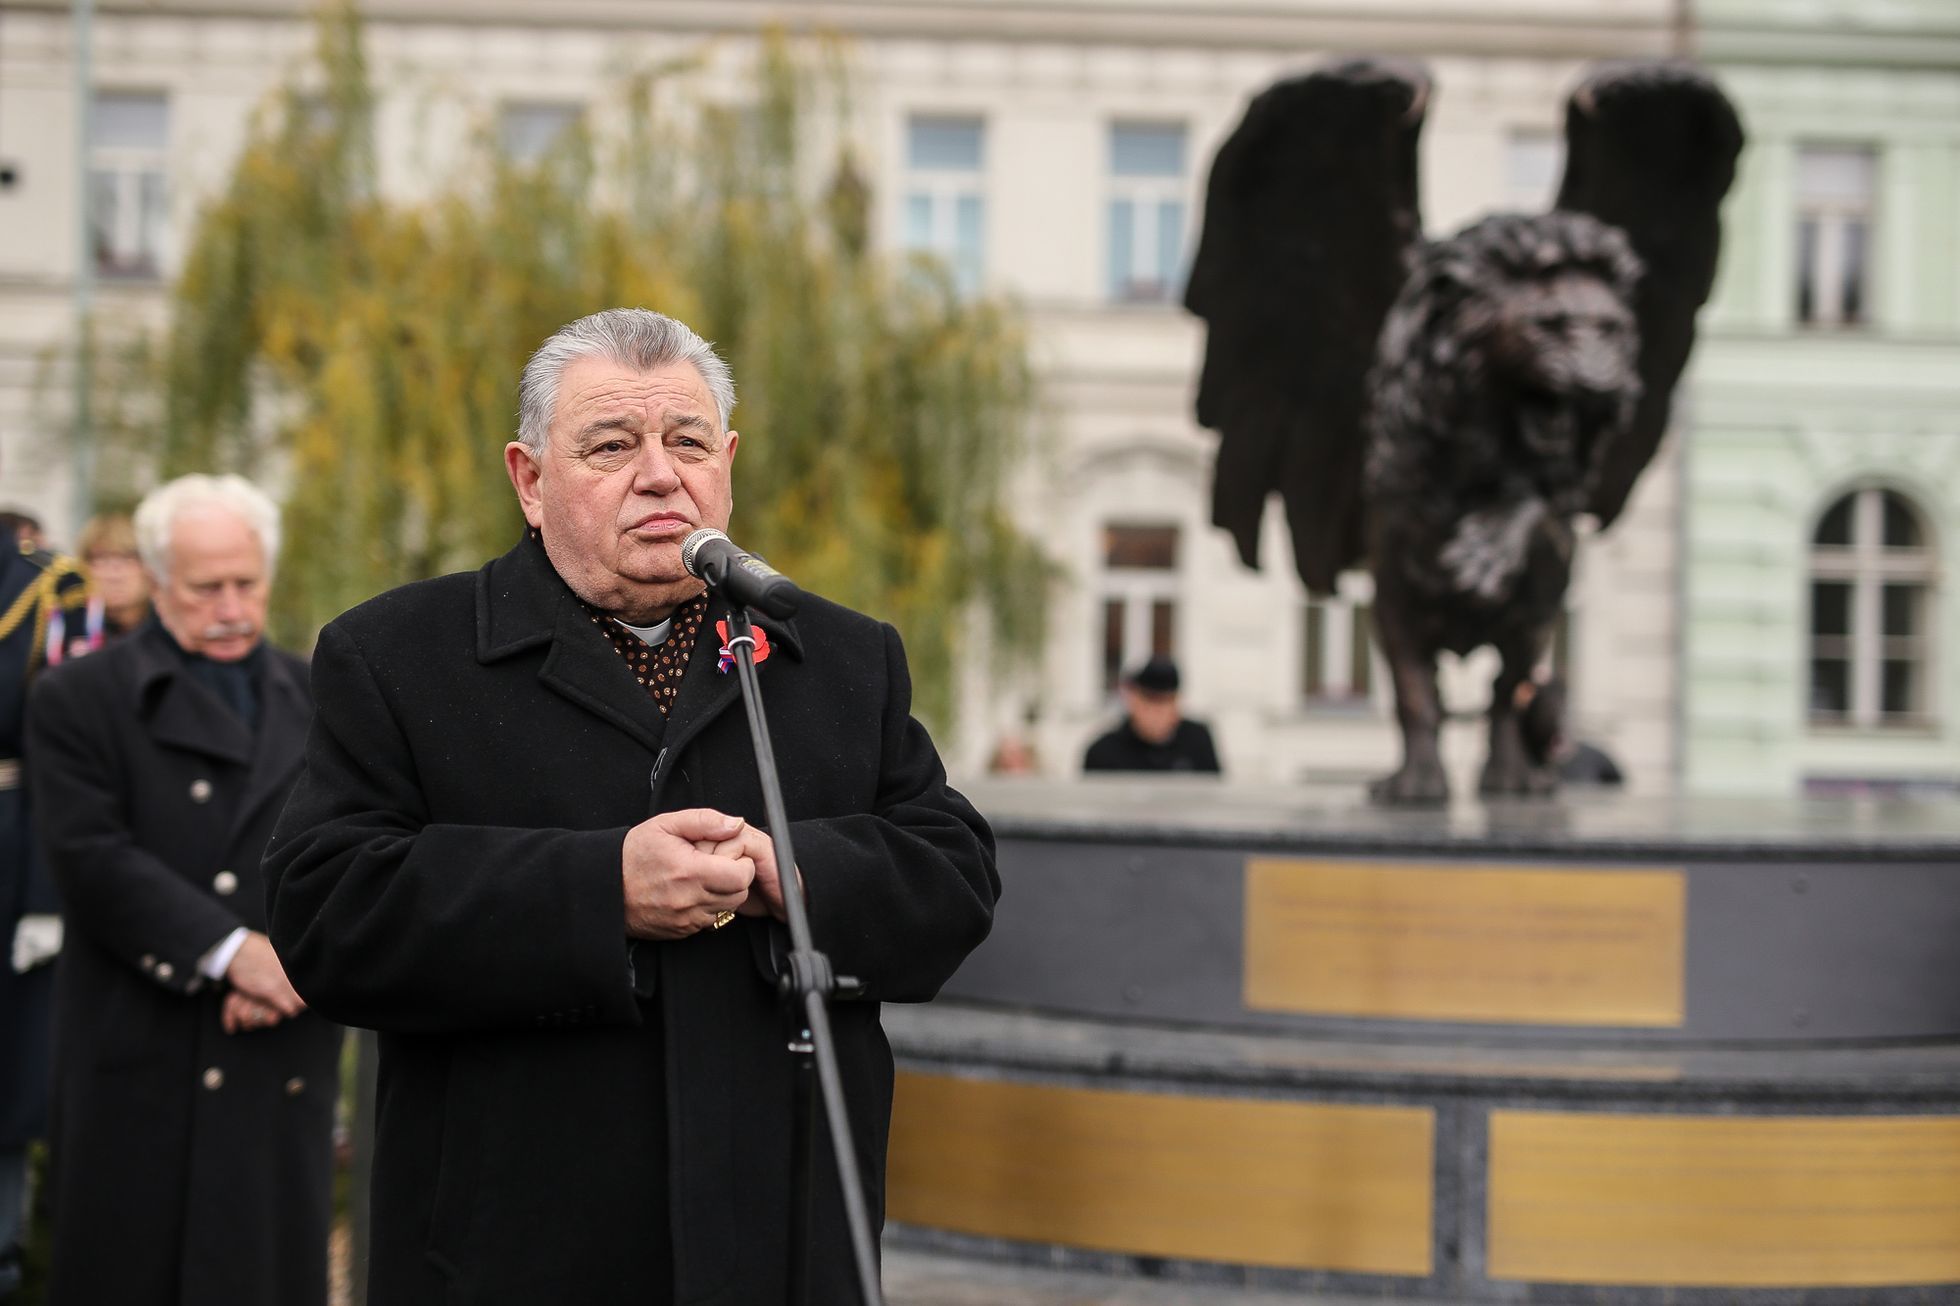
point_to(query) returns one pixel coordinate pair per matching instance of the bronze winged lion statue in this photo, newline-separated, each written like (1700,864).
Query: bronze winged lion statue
(1444,410)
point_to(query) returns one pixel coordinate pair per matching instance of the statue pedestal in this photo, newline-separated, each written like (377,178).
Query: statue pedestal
(1599,1048)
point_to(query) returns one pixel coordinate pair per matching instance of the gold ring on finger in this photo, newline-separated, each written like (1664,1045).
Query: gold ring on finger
(721,918)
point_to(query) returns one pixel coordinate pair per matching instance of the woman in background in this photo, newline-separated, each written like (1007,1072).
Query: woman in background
(119,588)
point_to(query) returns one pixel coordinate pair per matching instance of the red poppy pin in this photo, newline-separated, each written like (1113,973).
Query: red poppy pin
(727,658)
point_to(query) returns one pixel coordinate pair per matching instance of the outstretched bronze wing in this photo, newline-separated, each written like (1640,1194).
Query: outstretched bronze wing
(1310,214)
(1651,149)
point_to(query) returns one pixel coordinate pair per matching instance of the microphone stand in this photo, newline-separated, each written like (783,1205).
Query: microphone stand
(806,989)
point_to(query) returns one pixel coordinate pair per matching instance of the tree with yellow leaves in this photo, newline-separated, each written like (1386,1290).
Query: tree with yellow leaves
(364,353)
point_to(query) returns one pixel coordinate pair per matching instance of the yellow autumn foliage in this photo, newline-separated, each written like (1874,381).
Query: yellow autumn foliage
(363,353)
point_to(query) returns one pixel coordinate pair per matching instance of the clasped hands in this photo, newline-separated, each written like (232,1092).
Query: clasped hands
(261,996)
(683,869)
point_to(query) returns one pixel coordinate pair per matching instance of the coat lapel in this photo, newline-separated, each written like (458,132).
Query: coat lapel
(522,604)
(179,712)
(284,712)
(707,691)
(583,667)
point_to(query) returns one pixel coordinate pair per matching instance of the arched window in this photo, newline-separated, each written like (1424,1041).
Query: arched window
(1873,586)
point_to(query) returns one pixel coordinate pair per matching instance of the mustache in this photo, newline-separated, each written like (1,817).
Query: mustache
(229,630)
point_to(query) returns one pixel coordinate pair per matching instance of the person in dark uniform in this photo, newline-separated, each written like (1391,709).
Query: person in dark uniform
(36,589)
(1154,735)
(21,528)
(191,1140)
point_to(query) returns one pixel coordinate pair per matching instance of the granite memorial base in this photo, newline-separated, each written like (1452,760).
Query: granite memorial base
(1599,1049)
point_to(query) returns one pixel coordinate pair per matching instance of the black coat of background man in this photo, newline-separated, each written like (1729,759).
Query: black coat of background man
(191,1140)
(526,850)
(1154,734)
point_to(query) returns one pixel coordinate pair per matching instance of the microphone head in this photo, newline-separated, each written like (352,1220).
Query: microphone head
(691,548)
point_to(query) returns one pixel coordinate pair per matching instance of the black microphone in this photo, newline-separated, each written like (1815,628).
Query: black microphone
(741,578)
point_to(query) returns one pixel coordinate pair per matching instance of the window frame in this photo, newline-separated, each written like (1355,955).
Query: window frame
(121,246)
(1525,148)
(1821,261)
(943,188)
(1336,641)
(1144,595)
(1869,567)
(571,115)
(1147,280)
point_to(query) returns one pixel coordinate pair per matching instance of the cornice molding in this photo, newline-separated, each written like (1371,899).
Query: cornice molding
(1829,33)
(1935,48)
(1505,27)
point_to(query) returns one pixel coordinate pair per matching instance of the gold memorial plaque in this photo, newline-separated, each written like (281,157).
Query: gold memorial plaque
(1769,1202)
(1503,944)
(1317,1186)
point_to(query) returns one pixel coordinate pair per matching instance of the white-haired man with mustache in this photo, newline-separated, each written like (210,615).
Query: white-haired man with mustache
(193,1092)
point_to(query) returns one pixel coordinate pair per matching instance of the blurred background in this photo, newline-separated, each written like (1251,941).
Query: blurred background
(943,242)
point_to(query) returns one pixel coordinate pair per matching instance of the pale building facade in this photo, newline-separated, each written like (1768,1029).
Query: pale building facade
(1823,478)
(1056,155)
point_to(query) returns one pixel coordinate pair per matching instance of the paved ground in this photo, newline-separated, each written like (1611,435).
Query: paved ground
(933,1279)
(915,1278)
(921,1279)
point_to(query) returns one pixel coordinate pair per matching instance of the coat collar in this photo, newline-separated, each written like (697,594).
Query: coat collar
(523,604)
(180,712)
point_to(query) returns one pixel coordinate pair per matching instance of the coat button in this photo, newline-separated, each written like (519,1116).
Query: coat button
(149,962)
(200,791)
(295,1086)
(214,1078)
(225,882)
(165,970)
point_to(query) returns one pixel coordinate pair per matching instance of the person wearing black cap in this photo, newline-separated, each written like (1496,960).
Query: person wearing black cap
(1154,736)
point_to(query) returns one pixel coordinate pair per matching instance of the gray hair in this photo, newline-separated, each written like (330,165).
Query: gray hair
(156,517)
(638,338)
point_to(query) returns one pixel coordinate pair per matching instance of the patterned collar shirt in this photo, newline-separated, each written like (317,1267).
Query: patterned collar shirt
(657,655)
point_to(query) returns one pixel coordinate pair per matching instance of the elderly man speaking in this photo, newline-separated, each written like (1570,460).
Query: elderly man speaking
(525,849)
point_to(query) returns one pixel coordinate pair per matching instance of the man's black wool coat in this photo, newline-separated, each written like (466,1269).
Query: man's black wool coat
(190,1167)
(448,873)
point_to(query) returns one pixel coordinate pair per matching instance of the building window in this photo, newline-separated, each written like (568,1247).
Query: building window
(1139,606)
(1533,163)
(945,204)
(1873,586)
(529,131)
(129,198)
(1146,211)
(1834,224)
(1337,665)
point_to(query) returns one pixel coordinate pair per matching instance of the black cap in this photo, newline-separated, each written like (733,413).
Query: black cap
(1157,676)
